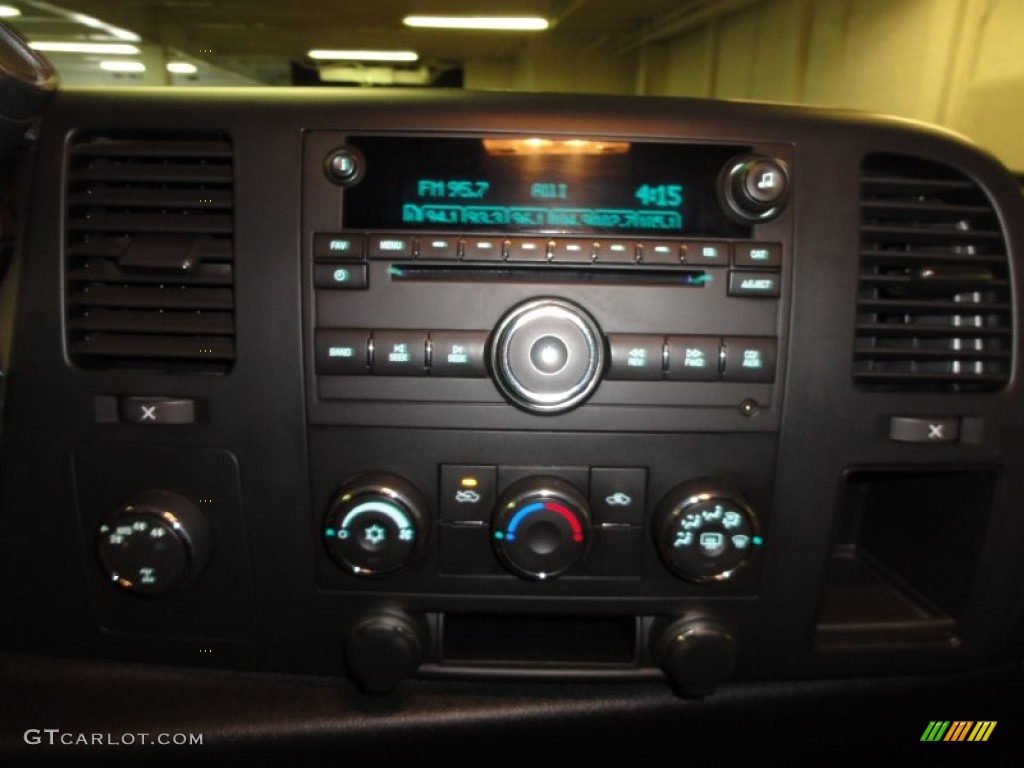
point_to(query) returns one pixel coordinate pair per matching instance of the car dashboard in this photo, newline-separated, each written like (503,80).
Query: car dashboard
(448,416)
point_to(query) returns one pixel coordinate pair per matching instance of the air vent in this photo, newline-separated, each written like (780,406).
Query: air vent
(149,253)
(934,309)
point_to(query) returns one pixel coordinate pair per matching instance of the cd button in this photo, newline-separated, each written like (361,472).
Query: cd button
(399,353)
(635,357)
(749,359)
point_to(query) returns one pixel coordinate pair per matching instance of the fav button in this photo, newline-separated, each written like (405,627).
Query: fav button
(328,246)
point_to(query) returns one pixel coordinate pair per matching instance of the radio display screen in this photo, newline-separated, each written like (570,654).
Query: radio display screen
(539,185)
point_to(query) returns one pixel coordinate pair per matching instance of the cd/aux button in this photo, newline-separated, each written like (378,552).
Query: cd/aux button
(749,359)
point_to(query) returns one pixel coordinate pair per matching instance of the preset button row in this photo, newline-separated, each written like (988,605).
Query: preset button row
(342,247)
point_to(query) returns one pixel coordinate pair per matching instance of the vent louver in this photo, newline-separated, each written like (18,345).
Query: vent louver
(934,308)
(149,253)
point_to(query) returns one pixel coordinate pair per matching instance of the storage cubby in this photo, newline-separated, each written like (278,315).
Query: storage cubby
(906,551)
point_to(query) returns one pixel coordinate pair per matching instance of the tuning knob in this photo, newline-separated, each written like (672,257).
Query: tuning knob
(375,525)
(155,543)
(548,355)
(697,655)
(755,188)
(541,527)
(705,530)
(382,650)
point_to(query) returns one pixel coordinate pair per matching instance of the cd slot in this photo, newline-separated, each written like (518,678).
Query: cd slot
(691,278)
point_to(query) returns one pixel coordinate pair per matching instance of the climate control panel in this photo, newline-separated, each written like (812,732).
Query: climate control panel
(540,524)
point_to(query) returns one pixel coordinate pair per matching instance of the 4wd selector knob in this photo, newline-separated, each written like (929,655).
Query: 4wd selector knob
(541,527)
(156,542)
(374,525)
(547,355)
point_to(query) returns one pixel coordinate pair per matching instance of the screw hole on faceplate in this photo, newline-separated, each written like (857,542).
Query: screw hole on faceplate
(748,407)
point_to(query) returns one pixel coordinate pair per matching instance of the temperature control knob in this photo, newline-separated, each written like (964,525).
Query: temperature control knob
(156,542)
(375,525)
(541,527)
(705,530)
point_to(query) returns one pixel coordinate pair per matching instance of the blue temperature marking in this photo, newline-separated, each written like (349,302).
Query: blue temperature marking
(535,507)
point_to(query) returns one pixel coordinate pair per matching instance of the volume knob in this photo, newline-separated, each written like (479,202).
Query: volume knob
(548,355)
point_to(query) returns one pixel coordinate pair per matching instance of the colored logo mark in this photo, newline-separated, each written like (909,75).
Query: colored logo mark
(958,730)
